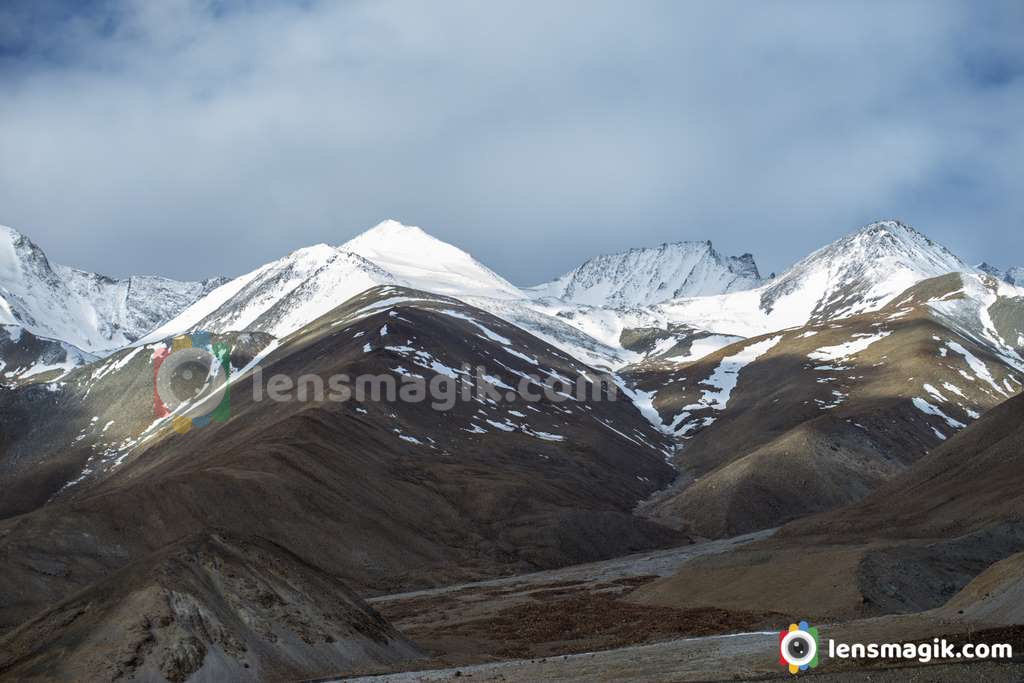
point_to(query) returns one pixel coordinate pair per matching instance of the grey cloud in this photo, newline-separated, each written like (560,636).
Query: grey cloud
(194,138)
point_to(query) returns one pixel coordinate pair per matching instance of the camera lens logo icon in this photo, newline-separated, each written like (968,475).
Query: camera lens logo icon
(190,381)
(798,647)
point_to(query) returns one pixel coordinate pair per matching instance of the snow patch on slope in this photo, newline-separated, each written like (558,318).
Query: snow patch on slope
(927,408)
(846,349)
(726,375)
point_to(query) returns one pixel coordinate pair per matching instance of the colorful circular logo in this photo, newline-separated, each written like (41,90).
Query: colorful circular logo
(798,647)
(190,381)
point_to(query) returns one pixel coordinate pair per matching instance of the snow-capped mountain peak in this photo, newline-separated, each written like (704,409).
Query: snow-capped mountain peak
(392,236)
(92,312)
(642,277)
(893,238)
(862,271)
(282,296)
(427,263)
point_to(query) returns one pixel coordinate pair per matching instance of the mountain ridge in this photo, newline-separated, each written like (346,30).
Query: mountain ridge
(1013,275)
(858,273)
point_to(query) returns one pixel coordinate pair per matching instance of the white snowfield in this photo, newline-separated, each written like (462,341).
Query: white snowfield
(281,296)
(929,409)
(703,347)
(977,366)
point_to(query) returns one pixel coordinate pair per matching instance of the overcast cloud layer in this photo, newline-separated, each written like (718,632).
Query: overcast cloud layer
(199,138)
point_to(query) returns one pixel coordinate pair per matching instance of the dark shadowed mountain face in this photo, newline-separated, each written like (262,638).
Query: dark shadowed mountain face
(24,357)
(971,482)
(60,434)
(389,496)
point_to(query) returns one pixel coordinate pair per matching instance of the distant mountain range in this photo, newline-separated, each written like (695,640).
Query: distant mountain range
(1014,276)
(677,283)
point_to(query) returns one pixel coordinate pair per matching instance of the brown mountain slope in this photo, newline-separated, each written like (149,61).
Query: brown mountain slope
(994,596)
(819,416)
(54,433)
(909,546)
(972,482)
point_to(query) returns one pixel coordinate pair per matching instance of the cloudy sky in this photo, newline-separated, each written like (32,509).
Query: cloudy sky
(192,138)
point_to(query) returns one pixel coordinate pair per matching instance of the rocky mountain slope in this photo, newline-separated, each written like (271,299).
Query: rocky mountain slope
(24,357)
(207,608)
(685,355)
(641,277)
(377,495)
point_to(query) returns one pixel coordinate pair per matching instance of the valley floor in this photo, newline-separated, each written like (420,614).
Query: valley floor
(576,624)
